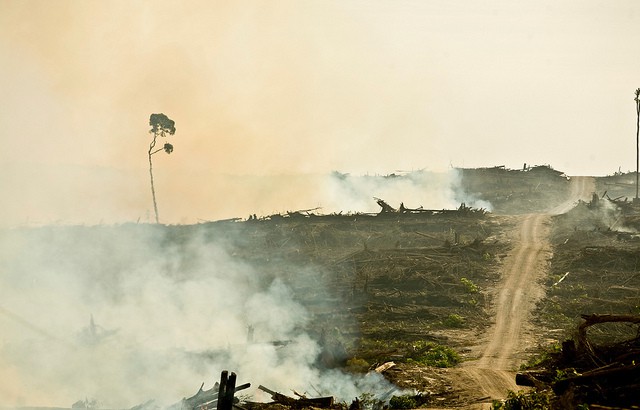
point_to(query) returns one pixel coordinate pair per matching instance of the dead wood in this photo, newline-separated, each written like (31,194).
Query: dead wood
(302,402)
(611,374)
(207,397)
(534,378)
(384,367)
(601,301)
(593,319)
(386,208)
(590,373)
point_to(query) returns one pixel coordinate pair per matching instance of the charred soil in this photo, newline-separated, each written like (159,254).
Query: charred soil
(589,317)
(438,293)
(445,298)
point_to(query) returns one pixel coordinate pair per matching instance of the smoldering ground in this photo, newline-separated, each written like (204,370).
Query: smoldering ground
(123,314)
(127,313)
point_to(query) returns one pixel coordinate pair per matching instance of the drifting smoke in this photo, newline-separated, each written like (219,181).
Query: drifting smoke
(346,193)
(232,196)
(429,190)
(136,312)
(612,217)
(426,189)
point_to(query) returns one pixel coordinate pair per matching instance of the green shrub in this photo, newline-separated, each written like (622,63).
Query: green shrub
(453,320)
(525,400)
(357,365)
(435,355)
(403,402)
(470,287)
(369,401)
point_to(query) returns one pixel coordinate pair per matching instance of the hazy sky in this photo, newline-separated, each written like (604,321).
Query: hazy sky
(299,87)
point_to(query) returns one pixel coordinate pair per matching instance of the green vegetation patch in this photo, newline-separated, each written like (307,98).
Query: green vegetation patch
(533,400)
(435,355)
(453,321)
(421,352)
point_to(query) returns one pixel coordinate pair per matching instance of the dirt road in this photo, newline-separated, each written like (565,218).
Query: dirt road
(501,350)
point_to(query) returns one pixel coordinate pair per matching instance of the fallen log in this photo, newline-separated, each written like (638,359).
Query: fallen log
(534,378)
(593,319)
(386,208)
(384,367)
(594,374)
(302,402)
(207,398)
(602,376)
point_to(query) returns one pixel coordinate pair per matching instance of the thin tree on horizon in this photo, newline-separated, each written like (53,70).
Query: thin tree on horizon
(161,126)
(637,100)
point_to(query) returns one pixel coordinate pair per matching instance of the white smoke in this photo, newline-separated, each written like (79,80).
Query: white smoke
(462,195)
(426,189)
(128,313)
(612,216)
(421,188)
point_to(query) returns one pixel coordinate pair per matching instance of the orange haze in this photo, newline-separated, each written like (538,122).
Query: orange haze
(296,89)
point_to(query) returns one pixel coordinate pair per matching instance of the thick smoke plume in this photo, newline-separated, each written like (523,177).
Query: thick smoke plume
(429,190)
(129,313)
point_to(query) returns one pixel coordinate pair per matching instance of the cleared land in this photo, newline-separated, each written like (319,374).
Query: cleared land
(456,299)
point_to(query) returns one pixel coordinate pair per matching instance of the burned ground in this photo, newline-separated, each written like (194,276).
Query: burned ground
(596,258)
(411,289)
(509,191)
(414,288)
(390,278)
(588,321)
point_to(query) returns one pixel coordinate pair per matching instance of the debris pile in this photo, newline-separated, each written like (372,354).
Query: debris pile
(301,402)
(586,372)
(463,210)
(221,395)
(593,285)
(386,210)
(594,267)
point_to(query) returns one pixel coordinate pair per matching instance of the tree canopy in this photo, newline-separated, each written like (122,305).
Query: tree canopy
(162,125)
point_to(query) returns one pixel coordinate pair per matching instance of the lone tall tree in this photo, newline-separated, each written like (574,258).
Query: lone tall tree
(161,126)
(637,100)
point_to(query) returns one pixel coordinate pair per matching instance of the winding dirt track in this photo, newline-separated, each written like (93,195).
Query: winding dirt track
(516,295)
